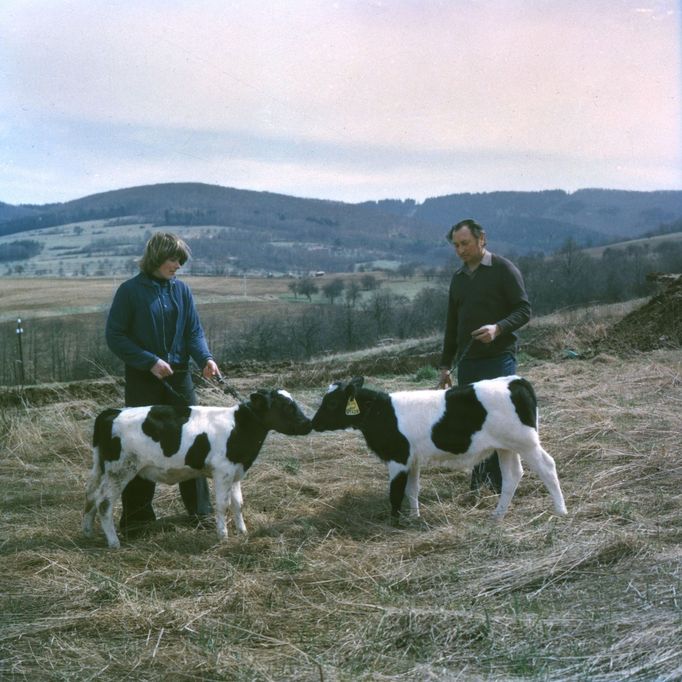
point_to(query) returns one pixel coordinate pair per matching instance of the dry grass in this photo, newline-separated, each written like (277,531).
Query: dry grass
(325,588)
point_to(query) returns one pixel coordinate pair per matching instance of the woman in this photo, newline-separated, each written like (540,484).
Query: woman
(153,326)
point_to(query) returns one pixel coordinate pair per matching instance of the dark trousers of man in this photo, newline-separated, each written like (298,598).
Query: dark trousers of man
(143,388)
(476,369)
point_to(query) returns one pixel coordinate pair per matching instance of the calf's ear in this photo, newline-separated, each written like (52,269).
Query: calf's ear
(356,384)
(260,401)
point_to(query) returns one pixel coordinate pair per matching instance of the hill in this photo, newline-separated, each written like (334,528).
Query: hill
(542,221)
(267,232)
(649,243)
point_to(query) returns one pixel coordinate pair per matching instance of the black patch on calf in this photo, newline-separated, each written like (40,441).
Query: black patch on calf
(109,448)
(164,426)
(525,402)
(196,455)
(246,438)
(379,426)
(464,416)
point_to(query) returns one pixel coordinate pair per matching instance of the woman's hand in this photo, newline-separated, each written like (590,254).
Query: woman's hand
(161,369)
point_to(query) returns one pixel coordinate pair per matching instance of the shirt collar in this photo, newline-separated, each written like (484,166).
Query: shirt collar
(487,260)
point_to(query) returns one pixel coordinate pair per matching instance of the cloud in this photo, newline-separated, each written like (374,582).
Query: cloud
(362,89)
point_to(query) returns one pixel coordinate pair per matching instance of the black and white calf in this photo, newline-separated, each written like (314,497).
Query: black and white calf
(458,427)
(176,443)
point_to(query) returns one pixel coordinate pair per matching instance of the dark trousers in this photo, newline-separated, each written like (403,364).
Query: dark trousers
(476,369)
(143,388)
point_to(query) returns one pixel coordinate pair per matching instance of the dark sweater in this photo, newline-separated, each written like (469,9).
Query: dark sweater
(493,294)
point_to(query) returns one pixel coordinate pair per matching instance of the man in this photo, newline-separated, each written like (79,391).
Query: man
(487,303)
(153,326)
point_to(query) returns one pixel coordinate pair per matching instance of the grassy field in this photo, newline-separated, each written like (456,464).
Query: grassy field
(646,242)
(60,297)
(323,587)
(39,297)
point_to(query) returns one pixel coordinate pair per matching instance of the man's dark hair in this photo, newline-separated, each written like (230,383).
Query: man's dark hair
(475,229)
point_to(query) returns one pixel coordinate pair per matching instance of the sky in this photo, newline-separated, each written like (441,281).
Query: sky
(349,100)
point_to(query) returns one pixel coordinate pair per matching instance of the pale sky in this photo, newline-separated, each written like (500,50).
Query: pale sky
(348,100)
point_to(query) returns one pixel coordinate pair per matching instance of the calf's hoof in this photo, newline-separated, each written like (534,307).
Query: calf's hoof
(498,517)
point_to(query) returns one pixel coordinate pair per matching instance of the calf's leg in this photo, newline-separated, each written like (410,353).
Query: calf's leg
(512,471)
(236,502)
(540,461)
(108,491)
(106,517)
(111,485)
(90,505)
(412,488)
(397,474)
(222,485)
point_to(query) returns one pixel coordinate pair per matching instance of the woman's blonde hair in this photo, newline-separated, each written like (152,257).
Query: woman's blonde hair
(161,247)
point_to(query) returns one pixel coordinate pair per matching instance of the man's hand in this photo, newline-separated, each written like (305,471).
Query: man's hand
(161,369)
(210,369)
(486,334)
(445,380)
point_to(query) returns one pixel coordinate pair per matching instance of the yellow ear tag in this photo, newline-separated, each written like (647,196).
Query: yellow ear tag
(352,408)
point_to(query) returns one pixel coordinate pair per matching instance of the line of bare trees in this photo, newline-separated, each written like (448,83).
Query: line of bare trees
(353,315)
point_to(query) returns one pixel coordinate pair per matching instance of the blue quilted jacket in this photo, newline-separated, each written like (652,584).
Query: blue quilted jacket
(135,326)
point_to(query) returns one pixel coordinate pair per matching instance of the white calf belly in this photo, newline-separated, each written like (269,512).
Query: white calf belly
(171,476)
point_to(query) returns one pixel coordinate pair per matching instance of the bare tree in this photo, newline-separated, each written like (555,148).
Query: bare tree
(407,270)
(369,282)
(380,308)
(352,293)
(306,287)
(305,330)
(293,288)
(333,289)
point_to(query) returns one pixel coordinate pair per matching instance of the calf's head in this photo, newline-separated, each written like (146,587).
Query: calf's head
(278,411)
(339,408)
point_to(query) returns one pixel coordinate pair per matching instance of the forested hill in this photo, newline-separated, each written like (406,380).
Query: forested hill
(541,221)
(521,222)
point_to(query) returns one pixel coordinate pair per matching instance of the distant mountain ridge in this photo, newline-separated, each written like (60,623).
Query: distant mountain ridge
(518,222)
(587,215)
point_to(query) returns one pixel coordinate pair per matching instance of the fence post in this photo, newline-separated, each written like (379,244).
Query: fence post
(20,332)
